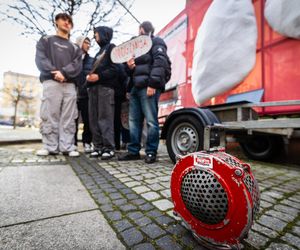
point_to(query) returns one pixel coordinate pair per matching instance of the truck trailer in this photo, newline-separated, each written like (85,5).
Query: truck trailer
(262,112)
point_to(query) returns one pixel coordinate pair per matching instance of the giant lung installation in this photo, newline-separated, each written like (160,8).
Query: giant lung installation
(284,16)
(225,48)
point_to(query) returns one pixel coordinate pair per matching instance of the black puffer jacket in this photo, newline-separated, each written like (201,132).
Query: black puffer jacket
(150,68)
(107,70)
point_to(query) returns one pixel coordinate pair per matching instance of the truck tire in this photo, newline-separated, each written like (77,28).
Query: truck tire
(261,147)
(184,136)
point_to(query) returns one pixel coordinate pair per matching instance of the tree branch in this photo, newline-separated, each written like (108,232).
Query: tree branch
(39,19)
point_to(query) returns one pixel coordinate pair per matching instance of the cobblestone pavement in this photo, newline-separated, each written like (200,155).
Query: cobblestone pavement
(135,199)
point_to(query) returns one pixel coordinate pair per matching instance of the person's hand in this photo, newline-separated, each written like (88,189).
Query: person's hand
(92,78)
(131,63)
(150,91)
(58,76)
(127,96)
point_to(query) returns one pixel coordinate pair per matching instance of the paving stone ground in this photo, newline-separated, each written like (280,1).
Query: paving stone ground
(135,200)
(45,206)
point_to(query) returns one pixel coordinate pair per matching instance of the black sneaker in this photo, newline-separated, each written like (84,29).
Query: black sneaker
(150,158)
(129,157)
(107,155)
(96,153)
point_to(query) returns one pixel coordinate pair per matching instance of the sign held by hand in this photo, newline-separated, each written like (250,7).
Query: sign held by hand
(133,48)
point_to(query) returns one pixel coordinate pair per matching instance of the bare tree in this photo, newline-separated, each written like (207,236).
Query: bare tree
(36,17)
(15,94)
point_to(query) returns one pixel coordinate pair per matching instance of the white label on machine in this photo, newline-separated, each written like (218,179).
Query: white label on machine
(203,161)
(133,48)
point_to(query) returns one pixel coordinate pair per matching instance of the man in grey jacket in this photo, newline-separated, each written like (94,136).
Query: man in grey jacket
(59,61)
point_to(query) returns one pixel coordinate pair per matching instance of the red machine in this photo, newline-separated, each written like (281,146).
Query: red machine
(217,197)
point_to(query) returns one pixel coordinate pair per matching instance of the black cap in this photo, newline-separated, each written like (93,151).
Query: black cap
(64,16)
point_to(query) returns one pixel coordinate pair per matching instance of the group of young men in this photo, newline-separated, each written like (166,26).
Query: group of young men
(72,81)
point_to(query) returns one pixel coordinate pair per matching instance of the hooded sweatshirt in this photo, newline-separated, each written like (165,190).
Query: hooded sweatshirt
(57,53)
(80,40)
(107,70)
(87,64)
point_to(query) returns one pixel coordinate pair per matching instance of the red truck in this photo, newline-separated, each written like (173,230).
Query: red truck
(262,112)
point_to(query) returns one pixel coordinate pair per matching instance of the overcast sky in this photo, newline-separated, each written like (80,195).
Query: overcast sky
(17,52)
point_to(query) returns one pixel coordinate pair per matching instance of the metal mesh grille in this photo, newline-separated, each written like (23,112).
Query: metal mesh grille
(250,183)
(252,187)
(204,197)
(228,159)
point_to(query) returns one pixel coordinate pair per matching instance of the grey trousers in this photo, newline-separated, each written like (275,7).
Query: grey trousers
(101,114)
(58,113)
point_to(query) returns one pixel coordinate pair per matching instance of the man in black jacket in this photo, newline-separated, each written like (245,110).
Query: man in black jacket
(82,96)
(148,81)
(101,85)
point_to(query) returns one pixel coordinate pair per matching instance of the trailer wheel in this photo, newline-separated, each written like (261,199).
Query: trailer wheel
(262,147)
(184,136)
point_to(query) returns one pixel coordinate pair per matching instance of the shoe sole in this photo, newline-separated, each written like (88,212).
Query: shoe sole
(107,158)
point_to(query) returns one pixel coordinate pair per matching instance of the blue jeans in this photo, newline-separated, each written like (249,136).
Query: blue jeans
(141,106)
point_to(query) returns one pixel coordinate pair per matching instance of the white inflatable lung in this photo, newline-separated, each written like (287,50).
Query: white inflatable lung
(284,16)
(225,48)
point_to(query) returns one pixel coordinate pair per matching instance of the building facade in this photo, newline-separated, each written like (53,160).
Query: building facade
(20,96)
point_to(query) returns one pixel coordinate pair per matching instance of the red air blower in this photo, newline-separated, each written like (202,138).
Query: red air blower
(217,197)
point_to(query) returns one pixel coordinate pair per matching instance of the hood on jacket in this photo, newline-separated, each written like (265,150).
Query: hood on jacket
(79,40)
(105,34)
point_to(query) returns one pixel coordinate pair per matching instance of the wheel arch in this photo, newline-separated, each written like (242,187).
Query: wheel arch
(206,116)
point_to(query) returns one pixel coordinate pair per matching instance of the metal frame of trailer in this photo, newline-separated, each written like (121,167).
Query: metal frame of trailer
(189,130)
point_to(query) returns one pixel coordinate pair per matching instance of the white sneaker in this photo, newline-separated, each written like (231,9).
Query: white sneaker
(87,148)
(73,153)
(42,152)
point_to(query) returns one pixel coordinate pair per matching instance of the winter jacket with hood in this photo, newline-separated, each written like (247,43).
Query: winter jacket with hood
(150,68)
(107,70)
(87,64)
